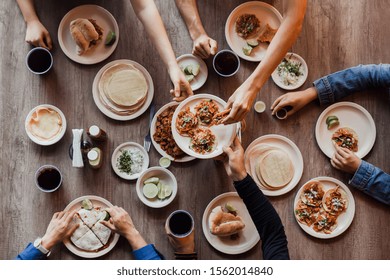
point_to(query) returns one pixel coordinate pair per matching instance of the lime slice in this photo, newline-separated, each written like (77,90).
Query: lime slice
(168,190)
(152,180)
(230,207)
(161,193)
(189,78)
(150,190)
(107,215)
(331,118)
(86,204)
(247,50)
(110,39)
(252,42)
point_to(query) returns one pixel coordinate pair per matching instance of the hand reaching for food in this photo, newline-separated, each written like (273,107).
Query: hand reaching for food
(182,88)
(204,46)
(37,35)
(121,222)
(59,228)
(345,160)
(297,100)
(234,161)
(240,103)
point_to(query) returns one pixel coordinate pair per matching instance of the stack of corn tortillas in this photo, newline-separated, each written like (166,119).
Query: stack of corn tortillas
(270,167)
(123,89)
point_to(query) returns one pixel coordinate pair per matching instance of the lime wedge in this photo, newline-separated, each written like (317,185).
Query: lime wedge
(106,215)
(110,39)
(150,191)
(230,208)
(152,180)
(168,190)
(161,193)
(86,204)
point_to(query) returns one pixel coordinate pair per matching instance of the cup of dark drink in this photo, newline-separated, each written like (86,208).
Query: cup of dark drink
(48,178)
(39,60)
(226,63)
(179,224)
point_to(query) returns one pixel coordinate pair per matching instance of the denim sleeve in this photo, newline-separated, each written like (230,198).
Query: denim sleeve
(340,84)
(372,181)
(31,253)
(147,252)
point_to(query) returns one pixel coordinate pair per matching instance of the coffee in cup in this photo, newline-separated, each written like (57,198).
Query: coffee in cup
(48,178)
(226,63)
(39,60)
(180,223)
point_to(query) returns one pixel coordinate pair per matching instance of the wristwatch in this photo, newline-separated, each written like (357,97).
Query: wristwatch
(38,245)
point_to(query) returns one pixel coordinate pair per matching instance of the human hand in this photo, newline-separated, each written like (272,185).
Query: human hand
(345,160)
(59,228)
(240,103)
(182,88)
(296,100)
(37,35)
(204,46)
(121,223)
(234,161)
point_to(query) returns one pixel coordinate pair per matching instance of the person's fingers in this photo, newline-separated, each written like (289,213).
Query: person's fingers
(60,214)
(339,157)
(232,115)
(69,215)
(276,102)
(213,47)
(48,40)
(202,51)
(340,150)
(108,224)
(335,163)
(227,150)
(72,229)
(236,143)
(206,47)
(197,53)
(42,43)
(278,106)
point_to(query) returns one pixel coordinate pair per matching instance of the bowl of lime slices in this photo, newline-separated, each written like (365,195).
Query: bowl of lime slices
(156,187)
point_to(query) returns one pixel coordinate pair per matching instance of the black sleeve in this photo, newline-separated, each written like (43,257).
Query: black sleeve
(265,218)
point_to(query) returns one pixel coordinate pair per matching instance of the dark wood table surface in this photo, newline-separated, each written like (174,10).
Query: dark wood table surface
(335,35)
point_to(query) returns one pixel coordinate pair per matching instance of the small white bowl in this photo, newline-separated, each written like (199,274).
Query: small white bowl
(166,177)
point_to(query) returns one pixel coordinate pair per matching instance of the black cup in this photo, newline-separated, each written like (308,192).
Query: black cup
(39,60)
(48,178)
(226,63)
(180,223)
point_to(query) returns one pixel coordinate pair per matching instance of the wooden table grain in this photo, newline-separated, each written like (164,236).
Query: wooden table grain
(336,34)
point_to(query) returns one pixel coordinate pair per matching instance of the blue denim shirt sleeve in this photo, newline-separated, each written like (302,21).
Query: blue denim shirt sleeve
(147,252)
(31,253)
(340,84)
(372,181)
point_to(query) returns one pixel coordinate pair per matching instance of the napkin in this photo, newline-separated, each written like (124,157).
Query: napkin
(77,156)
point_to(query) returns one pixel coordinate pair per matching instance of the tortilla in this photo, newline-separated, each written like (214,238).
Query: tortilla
(276,169)
(124,85)
(346,137)
(88,242)
(102,232)
(45,123)
(80,231)
(90,217)
(224,224)
(312,193)
(338,201)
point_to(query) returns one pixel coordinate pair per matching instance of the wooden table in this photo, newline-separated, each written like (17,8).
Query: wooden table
(335,35)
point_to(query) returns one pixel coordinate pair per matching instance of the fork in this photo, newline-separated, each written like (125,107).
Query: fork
(147,139)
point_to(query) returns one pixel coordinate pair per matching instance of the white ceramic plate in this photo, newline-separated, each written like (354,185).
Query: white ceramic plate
(343,221)
(350,115)
(265,13)
(107,112)
(103,18)
(301,80)
(201,78)
(248,237)
(153,130)
(117,153)
(291,149)
(97,202)
(166,177)
(50,141)
(224,133)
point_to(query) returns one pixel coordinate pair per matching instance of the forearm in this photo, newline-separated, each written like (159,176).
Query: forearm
(372,181)
(135,239)
(285,37)
(265,218)
(335,86)
(28,10)
(189,11)
(148,14)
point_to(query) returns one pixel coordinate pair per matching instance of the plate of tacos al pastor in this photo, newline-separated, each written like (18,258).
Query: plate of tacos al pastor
(324,207)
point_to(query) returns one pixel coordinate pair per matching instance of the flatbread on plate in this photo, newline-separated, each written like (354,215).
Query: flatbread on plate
(88,242)
(102,232)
